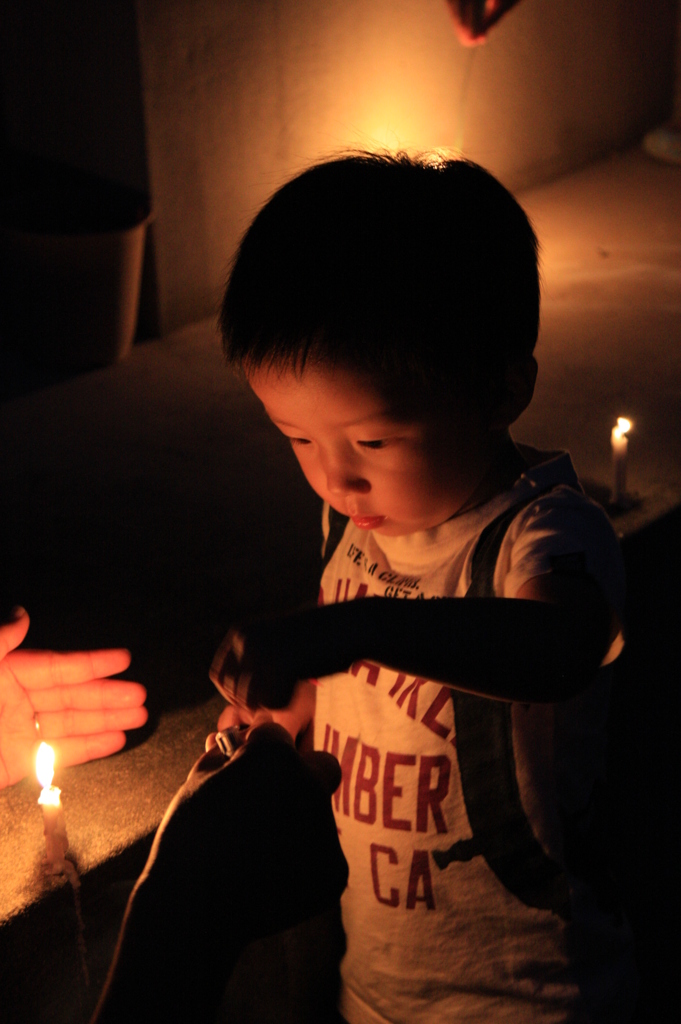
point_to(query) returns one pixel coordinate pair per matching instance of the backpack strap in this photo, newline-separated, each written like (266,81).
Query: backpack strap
(502,834)
(337,524)
(487,550)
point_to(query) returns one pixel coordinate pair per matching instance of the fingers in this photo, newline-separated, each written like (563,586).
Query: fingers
(39,669)
(261,717)
(233,715)
(294,718)
(13,632)
(468,16)
(79,749)
(77,723)
(474,18)
(264,731)
(297,715)
(466,36)
(97,694)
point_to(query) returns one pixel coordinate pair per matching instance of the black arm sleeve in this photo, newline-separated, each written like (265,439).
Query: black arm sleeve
(506,648)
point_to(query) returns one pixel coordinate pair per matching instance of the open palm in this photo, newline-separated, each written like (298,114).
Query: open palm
(79,711)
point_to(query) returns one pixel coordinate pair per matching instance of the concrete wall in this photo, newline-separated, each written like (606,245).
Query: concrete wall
(238,95)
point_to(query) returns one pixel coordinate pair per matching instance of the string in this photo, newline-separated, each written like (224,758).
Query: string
(468,68)
(72,875)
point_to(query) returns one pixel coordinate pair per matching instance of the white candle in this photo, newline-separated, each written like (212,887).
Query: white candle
(620,445)
(54,825)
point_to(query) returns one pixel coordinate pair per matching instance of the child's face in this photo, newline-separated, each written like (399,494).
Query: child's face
(393,472)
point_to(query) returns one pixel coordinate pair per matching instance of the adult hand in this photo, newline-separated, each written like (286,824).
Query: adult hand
(247,847)
(474,18)
(78,710)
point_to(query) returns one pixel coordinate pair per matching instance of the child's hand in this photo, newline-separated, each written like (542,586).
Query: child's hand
(295,718)
(250,666)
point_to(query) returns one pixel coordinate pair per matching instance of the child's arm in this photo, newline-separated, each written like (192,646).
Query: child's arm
(544,645)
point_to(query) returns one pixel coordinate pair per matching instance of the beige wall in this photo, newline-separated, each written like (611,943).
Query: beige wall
(241,94)
(237,95)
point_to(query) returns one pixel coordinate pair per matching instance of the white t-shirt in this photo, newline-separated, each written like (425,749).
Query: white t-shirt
(440,926)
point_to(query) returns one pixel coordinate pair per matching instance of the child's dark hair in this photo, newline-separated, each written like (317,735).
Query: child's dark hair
(419,273)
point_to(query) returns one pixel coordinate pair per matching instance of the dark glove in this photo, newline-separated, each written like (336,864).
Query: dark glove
(247,847)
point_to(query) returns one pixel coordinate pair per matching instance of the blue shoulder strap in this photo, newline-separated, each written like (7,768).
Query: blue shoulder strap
(502,833)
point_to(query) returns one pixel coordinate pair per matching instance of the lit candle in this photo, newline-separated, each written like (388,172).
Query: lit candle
(56,842)
(620,444)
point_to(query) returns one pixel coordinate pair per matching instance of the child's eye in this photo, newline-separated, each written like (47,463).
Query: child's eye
(295,441)
(372,444)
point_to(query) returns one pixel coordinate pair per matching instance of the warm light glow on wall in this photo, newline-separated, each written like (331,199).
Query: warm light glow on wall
(371,76)
(389,121)
(241,97)
(394,104)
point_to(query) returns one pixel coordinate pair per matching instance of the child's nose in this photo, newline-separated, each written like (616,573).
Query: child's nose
(340,482)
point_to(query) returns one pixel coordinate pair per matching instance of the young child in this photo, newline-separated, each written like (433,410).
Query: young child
(385,312)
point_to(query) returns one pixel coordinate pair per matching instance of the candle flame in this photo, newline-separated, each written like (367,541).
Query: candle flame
(44,765)
(623,427)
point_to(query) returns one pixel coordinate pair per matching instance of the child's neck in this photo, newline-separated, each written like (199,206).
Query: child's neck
(505,466)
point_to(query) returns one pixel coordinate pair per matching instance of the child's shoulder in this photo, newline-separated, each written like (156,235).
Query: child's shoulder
(550,494)
(560,530)
(547,508)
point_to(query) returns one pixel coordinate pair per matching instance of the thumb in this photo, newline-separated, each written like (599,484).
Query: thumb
(13,632)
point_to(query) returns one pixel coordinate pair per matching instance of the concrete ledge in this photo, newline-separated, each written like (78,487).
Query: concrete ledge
(112,809)
(610,340)
(47,936)
(109,806)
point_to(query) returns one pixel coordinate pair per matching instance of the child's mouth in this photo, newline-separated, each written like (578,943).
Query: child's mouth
(368,522)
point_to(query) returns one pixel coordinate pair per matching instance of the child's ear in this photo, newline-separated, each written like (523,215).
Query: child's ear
(516,393)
